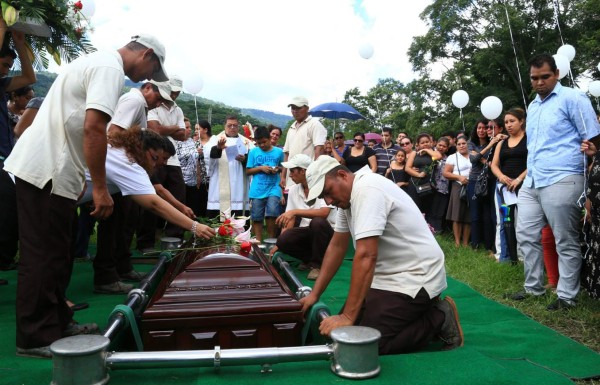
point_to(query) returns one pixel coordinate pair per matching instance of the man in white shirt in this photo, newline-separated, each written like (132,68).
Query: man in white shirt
(167,120)
(398,268)
(306,232)
(305,136)
(67,135)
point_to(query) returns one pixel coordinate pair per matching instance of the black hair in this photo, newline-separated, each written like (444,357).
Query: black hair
(152,140)
(538,61)
(271,127)
(340,133)
(422,135)
(474,138)
(205,124)
(7,51)
(387,129)
(168,147)
(261,132)
(450,134)
(22,91)
(359,134)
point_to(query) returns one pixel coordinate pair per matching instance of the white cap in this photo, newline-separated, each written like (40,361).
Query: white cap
(298,160)
(315,175)
(150,41)
(299,101)
(176,83)
(164,89)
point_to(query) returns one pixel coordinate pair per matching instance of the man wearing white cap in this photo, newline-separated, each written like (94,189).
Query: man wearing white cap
(306,231)
(398,268)
(67,135)
(168,121)
(305,136)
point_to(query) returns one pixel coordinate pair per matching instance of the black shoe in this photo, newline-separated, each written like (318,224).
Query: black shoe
(41,352)
(113,288)
(80,306)
(521,295)
(75,329)
(560,304)
(133,276)
(451,332)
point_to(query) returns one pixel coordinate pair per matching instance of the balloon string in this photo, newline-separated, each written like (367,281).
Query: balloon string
(462,119)
(512,40)
(196,107)
(555,5)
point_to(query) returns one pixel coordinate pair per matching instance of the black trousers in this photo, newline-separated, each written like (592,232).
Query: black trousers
(9,234)
(439,206)
(307,243)
(172,180)
(113,256)
(406,324)
(45,228)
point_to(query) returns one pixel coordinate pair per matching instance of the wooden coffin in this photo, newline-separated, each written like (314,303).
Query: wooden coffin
(218,297)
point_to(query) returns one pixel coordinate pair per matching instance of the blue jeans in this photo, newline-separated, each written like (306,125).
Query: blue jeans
(264,207)
(555,205)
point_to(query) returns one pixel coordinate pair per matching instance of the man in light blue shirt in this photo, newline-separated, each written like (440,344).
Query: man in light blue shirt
(558,120)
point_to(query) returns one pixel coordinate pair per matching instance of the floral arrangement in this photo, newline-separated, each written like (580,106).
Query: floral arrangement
(230,231)
(67,23)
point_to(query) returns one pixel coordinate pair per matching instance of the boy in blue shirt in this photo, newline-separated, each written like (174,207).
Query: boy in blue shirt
(264,164)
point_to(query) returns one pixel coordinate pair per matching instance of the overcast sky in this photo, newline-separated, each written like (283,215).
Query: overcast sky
(259,54)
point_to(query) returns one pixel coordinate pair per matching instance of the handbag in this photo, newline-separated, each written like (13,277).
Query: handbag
(481,183)
(463,187)
(423,189)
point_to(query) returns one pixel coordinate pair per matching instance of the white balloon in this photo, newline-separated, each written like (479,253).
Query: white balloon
(366,50)
(194,86)
(594,88)
(563,65)
(460,99)
(491,107)
(598,66)
(568,51)
(89,8)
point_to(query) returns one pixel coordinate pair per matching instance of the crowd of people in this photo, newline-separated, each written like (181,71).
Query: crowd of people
(133,160)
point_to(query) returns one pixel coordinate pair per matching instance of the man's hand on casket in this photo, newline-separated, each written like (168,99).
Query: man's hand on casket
(308,301)
(334,322)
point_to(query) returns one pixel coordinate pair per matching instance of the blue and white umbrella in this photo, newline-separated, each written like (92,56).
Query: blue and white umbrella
(335,111)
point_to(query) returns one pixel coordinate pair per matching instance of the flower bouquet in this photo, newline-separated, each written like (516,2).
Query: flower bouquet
(230,231)
(56,27)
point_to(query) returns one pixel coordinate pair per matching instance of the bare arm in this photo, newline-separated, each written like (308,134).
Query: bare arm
(334,256)
(173,131)
(27,76)
(495,166)
(288,218)
(170,199)
(319,150)
(94,151)
(284,170)
(373,163)
(164,210)
(25,121)
(363,269)
(409,165)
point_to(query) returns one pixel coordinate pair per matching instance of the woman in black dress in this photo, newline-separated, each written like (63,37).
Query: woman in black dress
(590,278)
(419,165)
(358,156)
(397,172)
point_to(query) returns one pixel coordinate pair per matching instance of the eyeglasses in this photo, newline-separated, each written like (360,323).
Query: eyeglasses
(405,144)
(543,77)
(339,137)
(358,140)
(233,126)
(490,127)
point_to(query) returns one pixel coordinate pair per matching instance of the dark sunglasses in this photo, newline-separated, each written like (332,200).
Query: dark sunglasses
(491,127)
(543,77)
(358,140)
(405,144)
(339,137)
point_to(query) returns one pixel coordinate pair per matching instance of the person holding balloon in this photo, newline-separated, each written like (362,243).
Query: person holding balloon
(553,190)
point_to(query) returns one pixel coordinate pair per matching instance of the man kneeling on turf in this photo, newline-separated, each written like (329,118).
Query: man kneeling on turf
(306,231)
(398,268)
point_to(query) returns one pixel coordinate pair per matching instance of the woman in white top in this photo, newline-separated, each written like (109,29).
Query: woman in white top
(131,156)
(457,170)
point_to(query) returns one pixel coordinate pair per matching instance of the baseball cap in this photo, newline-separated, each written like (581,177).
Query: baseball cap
(176,83)
(315,175)
(150,41)
(164,88)
(298,160)
(299,101)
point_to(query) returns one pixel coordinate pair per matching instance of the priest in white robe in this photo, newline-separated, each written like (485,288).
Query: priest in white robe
(226,154)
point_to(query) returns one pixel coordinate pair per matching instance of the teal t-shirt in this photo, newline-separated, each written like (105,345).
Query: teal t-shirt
(265,185)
